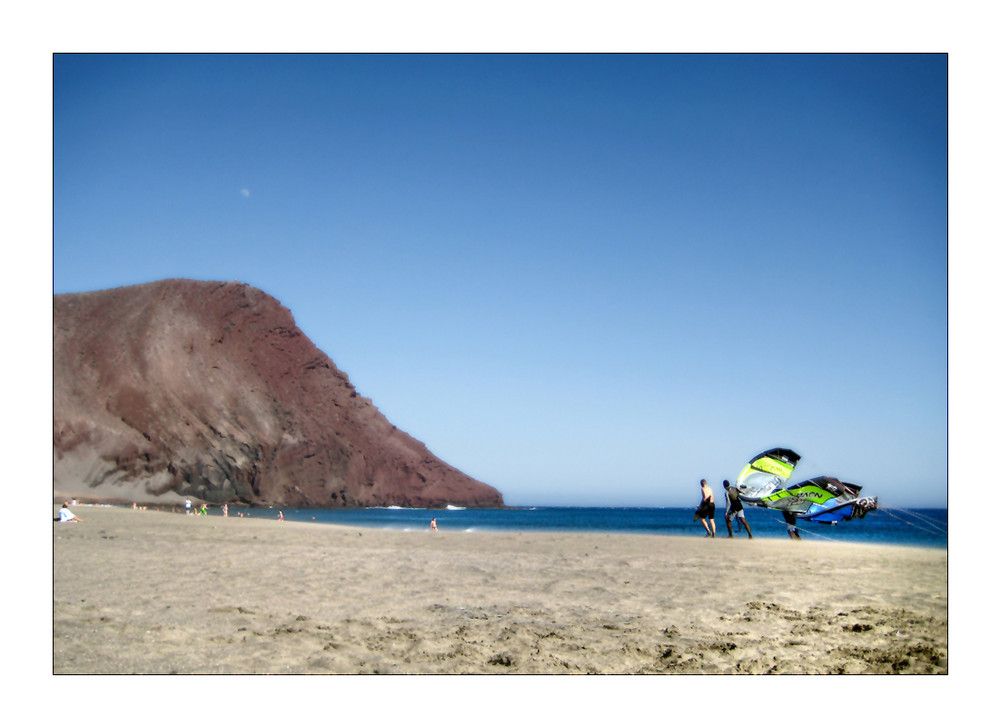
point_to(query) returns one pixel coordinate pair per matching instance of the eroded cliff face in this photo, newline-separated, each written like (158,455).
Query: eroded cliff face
(209,390)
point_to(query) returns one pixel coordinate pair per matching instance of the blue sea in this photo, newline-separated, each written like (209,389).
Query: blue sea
(886,526)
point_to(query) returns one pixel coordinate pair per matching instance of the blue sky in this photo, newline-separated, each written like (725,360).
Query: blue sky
(586,280)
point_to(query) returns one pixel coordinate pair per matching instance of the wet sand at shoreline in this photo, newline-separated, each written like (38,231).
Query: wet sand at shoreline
(146,592)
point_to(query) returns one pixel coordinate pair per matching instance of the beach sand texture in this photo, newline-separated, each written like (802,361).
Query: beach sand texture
(153,593)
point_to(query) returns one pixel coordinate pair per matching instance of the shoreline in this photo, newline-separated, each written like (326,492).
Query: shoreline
(813,532)
(827,543)
(139,591)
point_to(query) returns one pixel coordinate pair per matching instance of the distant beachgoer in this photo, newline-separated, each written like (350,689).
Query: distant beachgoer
(706,510)
(434,523)
(66,516)
(281,515)
(790,520)
(187,507)
(203,510)
(225,509)
(734,509)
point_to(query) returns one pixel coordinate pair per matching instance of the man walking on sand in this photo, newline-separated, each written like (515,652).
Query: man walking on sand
(734,509)
(706,510)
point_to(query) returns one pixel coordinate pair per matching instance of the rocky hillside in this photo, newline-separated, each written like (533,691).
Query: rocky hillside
(208,390)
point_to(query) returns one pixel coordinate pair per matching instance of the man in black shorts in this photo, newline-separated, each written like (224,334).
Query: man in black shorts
(706,510)
(734,509)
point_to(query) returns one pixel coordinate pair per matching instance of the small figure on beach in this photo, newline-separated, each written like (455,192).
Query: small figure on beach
(706,510)
(790,521)
(187,507)
(66,516)
(734,510)
(225,509)
(281,515)
(434,524)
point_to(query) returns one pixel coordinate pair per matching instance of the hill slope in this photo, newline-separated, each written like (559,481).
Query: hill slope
(209,390)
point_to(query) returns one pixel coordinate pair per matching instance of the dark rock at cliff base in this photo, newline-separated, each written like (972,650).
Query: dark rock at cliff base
(209,390)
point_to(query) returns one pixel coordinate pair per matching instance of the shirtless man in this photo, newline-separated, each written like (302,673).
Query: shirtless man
(706,510)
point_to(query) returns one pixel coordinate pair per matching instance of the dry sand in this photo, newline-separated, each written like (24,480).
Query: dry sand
(156,593)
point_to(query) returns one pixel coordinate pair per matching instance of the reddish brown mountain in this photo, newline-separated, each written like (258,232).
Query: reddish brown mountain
(208,390)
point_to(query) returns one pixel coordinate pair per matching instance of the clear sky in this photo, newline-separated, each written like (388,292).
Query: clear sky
(584,280)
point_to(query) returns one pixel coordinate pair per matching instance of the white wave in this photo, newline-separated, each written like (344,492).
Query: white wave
(453,507)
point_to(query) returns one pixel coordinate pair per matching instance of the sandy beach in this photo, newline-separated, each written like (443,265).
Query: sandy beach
(147,592)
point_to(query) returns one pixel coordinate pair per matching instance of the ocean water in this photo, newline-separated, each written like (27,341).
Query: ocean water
(886,526)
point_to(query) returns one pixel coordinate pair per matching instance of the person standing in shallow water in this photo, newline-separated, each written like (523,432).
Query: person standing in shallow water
(734,509)
(706,510)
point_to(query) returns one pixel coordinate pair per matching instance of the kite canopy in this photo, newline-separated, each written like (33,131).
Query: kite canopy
(763,482)
(821,499)
(765,474)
